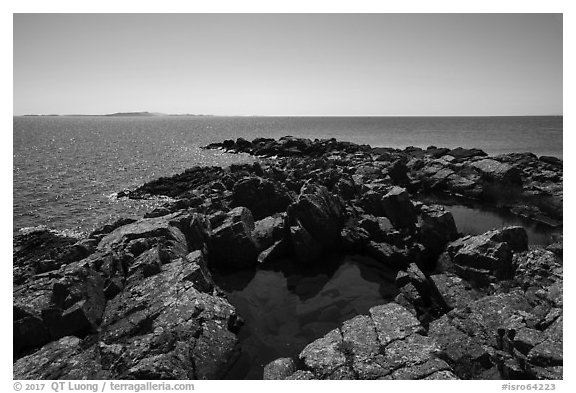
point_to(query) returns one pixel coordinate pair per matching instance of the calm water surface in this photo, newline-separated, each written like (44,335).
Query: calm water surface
(285,307)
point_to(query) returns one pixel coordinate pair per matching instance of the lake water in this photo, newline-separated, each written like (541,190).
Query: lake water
(66,169)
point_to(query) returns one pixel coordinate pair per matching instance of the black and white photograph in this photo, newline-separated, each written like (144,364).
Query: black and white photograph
(287,196)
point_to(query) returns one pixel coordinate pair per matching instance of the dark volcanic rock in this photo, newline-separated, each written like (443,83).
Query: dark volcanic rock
(232,243)
(304,246)
(166,326)
(167,231)
(388,255)
(437,228)
(178,185)
(279,369)
(261,196)
(163,326)
(466,335)
(460,153)
(270,230)
(136,299)
(68,302)
(499,172)
(324,355)
(398,172)
(38,251)
(387,344)
(488,257)
(454,292)
(316,219)
(62,359)
(399,209)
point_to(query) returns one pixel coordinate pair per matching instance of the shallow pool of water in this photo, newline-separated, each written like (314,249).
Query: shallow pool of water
(473,221)
(475,218)
(285,307)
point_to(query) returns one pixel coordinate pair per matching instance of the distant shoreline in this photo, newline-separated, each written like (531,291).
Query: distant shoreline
(146,114)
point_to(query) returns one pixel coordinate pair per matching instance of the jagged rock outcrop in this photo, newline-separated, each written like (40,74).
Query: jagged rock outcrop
(488,257)
(387,344)
(135,299)
(232,243)
(315,219)
(263,197)
(139,307)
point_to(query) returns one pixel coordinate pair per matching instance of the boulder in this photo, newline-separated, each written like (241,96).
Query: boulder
(440,221)
(496,171)
(526,339)
(465,154)
(437,228)
(346,188)
(393,322)
(323,356)
(232,243)
(354,239)
(452,291)
(197,272)
(198,234)
(320,213)
(398,172)
(78,302)
(263,197)
(371,202)
(515,236)
(554,161)
(279,369)
(487,257)
(483,261)
(399,209)
(269,230)
(243,145)
(28,329)
(168,231)
(388,255)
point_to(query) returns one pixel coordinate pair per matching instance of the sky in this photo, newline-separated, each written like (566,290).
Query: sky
(289,64)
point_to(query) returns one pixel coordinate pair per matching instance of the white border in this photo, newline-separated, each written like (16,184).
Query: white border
(306,6)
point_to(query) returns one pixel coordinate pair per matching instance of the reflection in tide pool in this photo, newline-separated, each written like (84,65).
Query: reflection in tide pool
(477,220)
(286,307)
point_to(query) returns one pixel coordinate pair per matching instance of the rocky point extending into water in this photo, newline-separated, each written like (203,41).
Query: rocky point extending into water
(136,299)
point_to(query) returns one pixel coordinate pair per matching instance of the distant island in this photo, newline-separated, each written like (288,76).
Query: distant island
(120,114)
(130,114)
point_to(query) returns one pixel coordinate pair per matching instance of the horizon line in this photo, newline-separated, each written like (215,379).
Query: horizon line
(158,114)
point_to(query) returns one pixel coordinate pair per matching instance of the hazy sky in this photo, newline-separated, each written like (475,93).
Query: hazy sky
(289,64)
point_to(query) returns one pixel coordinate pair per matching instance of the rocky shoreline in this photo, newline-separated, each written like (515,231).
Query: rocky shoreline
(136,299)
